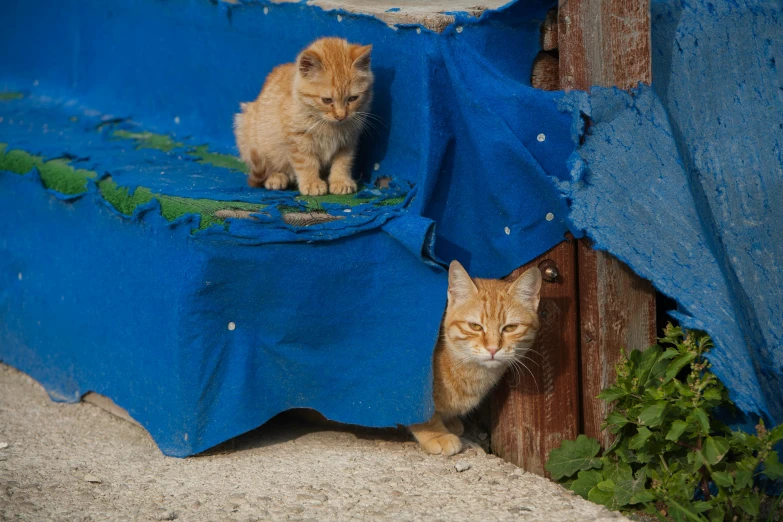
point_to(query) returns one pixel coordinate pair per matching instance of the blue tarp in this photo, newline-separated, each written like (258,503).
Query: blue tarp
(347,325)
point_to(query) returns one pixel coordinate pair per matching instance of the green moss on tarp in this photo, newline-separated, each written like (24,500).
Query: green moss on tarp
(56,174)
(171,207)
(7,96)
(218,160)
(149,140)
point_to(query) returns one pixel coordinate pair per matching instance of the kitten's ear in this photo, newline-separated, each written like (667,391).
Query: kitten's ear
(527,288)
(461,286)
(309,63)
(360,54)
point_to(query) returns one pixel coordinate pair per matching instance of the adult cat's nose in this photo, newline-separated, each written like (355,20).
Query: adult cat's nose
(492,352)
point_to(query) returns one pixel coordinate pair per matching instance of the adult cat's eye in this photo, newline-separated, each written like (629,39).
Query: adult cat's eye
(353,99)
(475,326)
(327,100)
(510,327)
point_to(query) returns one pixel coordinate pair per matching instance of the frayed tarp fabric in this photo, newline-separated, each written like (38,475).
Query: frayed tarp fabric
(684,182)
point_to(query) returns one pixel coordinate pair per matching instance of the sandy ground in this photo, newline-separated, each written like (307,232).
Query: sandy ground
(78,462)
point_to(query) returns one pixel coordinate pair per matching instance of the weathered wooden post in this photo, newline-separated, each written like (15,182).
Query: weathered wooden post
(595,305)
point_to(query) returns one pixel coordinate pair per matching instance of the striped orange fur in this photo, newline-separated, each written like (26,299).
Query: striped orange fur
(307,120)
(488,326)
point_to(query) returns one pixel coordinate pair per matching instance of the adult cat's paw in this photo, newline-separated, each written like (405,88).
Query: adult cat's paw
(313,188)
(446,445)
(276,181)
(455,426)
(342,186)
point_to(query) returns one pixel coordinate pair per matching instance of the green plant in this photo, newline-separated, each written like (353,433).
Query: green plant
(671,456)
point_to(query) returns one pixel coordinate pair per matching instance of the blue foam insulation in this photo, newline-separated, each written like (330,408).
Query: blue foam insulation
(681,181)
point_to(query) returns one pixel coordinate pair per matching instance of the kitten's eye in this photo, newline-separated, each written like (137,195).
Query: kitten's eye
(353,99)
(327,100)
(475,327)
(510,327)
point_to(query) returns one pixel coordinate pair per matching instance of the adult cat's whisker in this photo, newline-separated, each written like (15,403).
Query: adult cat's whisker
(531,374)
(531,360)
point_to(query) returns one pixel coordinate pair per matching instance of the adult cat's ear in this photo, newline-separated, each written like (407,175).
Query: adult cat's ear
(461,286)
(309,63)
(360,54)
(527,288)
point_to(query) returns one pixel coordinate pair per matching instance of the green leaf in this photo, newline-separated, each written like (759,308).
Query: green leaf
(717,514)
(723,479)
(678,364)
(772,466)
(643,497)
(612,393)
(587,480)
(712,394)
(669,353)
(600,497)
(616,419)
(653,415)
(573,456)
(743,478)
(677,429)
(775,434)
(750,505)
(714,449)
(700,506)
(700,416)
(606,486)
(638,440)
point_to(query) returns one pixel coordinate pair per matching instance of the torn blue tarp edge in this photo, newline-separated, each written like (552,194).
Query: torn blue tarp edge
(733,367)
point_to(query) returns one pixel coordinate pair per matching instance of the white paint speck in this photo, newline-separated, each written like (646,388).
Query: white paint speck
(266,10)
(339,18)
(176,120)
(459,28)
(418,30)
(348,210)
(377,166)
(541,137)
(550,216)
(35,83)
(232,326)
(186,437)
(507,231)
(19,276)
(162,172)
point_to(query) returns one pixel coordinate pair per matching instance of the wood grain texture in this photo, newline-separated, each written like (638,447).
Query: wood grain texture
(545,73)
(533,411)
(616,312)
(607,43)
(604,42)
(549,31)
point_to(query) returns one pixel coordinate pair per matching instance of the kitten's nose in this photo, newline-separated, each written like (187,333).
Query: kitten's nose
(340,117)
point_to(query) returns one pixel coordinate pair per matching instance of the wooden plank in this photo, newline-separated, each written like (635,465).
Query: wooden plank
(545,73)
(604,42)
(616,311)
(533,411)
(607,43)
(549,31)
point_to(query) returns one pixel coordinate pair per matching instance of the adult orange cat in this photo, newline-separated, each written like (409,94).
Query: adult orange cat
(489,324)
(308,119)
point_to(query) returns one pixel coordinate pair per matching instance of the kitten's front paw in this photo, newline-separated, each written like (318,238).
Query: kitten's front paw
(313,188)
(342,186)
(276,181)
(446,445)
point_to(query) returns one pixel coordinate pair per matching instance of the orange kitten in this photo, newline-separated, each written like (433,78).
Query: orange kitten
(488,324)
(308,118)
